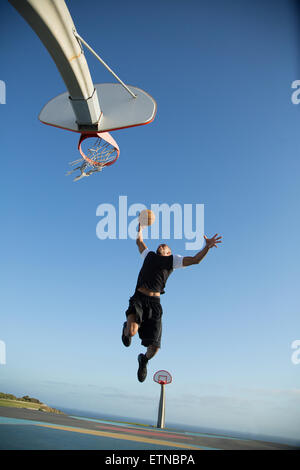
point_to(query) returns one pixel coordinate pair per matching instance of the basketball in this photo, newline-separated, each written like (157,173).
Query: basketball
(146,217)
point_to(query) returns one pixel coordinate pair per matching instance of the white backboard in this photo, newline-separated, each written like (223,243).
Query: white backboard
(119,110)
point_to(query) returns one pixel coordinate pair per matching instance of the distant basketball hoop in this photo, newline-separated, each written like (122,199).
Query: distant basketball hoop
(163,378)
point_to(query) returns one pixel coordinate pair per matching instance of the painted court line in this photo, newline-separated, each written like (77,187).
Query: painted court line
(113,435)
(121,436)
(128,426)
(215,436)
(146,432)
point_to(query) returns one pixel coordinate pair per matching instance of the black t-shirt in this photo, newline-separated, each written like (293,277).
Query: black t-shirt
(155,271)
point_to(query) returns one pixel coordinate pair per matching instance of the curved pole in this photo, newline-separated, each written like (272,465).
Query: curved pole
(52,22)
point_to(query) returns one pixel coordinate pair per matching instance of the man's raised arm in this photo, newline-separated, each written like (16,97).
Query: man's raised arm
(139,240)
(210,243)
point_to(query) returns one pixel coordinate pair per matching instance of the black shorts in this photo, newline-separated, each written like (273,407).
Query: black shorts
(148,313)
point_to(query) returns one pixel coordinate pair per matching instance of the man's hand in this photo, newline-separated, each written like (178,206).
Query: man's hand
(212,242)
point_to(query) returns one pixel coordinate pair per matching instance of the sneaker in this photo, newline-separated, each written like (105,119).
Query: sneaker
(126,340)
(142,370)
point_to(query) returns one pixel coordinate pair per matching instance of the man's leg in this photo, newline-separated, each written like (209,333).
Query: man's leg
(150,333)
(130,328)
(151,351)
(143,361)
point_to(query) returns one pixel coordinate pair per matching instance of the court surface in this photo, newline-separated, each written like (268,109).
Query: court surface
(24,429)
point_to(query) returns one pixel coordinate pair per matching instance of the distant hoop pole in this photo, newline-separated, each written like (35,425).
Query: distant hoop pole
(103,63)
(162,407)
(162,377)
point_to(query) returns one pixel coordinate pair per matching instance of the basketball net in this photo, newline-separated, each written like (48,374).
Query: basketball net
(103,151)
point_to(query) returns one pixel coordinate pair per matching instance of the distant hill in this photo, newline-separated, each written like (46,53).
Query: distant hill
(7,399)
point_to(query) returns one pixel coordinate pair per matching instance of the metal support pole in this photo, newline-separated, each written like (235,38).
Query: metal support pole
(161,409)
(103,63)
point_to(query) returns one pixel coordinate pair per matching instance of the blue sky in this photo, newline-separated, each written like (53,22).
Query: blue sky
(226,135)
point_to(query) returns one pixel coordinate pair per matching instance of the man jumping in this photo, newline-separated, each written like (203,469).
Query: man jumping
(145,312)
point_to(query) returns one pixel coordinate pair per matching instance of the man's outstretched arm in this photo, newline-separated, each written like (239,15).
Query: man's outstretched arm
(210,243)
(139,240)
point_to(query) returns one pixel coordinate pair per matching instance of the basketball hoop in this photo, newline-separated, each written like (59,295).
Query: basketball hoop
(104,151)
(163,378)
